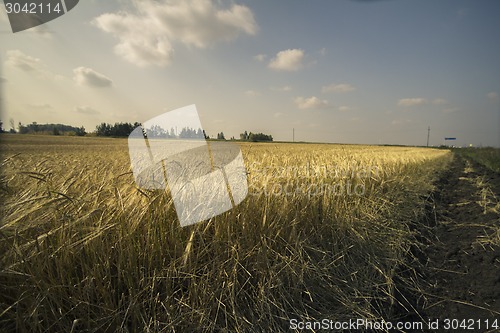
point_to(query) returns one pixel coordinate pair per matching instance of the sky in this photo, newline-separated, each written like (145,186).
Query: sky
(342,71)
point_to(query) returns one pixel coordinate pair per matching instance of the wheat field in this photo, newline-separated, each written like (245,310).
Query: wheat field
(321,234)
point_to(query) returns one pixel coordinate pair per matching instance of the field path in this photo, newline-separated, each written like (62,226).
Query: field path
(462,270)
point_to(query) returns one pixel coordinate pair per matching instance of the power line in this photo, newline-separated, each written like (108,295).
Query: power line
(428,134)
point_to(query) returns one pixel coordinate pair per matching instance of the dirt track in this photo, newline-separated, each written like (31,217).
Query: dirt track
(459,271)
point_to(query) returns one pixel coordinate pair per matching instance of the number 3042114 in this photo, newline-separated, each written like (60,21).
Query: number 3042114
(32,8)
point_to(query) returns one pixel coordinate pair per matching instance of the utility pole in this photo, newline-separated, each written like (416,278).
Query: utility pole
(293,134)
(428,134)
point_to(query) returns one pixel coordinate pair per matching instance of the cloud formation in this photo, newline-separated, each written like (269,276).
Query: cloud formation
(146,36)
(33,66)
(252,93)
(287,60)
(260,57)
(406,102)
(493,96)
(86,110)
(338,88)
(284,88)
(89,77)
(40,106)
(20,60)
(312,102)
(42,31)
(439,101)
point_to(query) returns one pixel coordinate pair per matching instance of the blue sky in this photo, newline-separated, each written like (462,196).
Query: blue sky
(336,71)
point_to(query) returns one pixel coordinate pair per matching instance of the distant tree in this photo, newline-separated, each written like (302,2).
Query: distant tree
(244,136)
(103,129)
(22,129)
(156,131)
(255,137)
(191,133)
(220,136)
(54,129)
(260,137)
(119,129)
(1,127)
(12,126)
(80,131)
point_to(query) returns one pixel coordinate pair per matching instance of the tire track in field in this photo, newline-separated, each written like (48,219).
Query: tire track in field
(461,272)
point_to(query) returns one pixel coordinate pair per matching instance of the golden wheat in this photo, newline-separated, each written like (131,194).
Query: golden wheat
(321,235)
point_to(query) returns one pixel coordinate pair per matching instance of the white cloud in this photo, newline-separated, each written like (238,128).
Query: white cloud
(41,31)
(18,59)
(89,77)
(40,106)
(322,51)
(32,65)
(412,101)
(278,114)
(312,102)
(344,108)
(86,110)
(338,88)
(284,88)
(260,57)
(439,101)
(146,36)
(252,93)
(493,96)
(287,60)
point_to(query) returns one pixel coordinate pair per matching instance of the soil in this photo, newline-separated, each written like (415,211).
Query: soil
(459,275)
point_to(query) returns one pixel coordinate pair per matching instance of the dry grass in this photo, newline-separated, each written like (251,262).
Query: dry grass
(83,249)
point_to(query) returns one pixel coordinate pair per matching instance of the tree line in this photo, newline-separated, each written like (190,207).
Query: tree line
(54,129)
(255,137)
(116,130)
(157,131)
(123,129)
